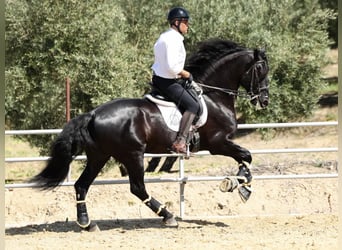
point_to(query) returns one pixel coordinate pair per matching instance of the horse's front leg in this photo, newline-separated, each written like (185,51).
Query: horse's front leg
(168,164)
(153,164)
(245,183)
(244,158)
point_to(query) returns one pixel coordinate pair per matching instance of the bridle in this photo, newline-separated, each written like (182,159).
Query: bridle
(253,70)
(255,78)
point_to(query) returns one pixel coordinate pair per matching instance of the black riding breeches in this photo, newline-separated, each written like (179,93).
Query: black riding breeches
(177,93)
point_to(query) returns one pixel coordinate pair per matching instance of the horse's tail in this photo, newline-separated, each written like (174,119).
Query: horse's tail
(70,142)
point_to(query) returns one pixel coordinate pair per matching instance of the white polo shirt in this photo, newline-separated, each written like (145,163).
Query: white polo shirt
(169,54)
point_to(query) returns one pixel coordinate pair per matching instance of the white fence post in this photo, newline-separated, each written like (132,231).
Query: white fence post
(181,188)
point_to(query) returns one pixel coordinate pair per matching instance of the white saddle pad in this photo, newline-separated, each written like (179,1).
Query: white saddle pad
(172,116)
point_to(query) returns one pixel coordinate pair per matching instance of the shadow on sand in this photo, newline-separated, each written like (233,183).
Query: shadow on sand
(104,225)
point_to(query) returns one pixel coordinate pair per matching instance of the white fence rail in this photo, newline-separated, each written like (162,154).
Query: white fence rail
(240,126)
(182,179)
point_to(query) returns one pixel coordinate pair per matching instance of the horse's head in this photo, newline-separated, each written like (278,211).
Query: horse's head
(224,66)
(255,80)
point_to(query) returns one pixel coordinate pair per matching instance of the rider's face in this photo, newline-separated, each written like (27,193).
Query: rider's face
(184,26)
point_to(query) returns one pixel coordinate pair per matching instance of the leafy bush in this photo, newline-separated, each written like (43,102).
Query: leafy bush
(47,41)
(295,36)
(106,49)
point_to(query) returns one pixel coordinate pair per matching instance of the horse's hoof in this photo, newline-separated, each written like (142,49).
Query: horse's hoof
(229,184)
(245,192)
(84,224)
(93,227)
(170,222)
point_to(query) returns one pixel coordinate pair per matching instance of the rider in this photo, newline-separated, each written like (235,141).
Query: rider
(168,70)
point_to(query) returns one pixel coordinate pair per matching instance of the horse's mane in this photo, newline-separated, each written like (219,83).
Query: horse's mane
(208,53)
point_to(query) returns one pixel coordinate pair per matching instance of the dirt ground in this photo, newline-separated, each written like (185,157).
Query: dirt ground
(287,214)
(281,214)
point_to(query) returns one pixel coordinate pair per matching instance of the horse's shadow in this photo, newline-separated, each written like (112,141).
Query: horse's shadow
(105,225)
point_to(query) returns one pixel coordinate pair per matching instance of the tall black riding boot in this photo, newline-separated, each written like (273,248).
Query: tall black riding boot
(179,145)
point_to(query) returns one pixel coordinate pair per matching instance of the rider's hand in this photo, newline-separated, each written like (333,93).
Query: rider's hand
(189,79)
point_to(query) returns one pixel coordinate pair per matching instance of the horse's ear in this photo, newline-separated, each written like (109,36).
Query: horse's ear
(259,53)
(256,54)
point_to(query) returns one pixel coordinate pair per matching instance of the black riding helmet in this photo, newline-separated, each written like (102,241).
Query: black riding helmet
(177,13)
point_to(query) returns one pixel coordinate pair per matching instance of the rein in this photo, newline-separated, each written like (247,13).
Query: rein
(226,91)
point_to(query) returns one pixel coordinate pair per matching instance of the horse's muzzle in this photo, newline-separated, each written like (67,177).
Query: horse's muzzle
(263,101)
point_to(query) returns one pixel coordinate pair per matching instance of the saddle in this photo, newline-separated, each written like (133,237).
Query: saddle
(172,115)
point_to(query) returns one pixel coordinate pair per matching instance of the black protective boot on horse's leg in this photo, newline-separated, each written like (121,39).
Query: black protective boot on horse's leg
(179,145)
(245,172)
(159,209)
(245,188)
(83,220)
(82,214)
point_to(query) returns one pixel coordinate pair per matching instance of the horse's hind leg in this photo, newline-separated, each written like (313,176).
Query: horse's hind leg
(93,167)
(135,170)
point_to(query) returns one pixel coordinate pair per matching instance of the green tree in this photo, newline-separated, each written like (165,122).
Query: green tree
(47,41)
(295,36)
(106,48)
(297,43)
(332,29)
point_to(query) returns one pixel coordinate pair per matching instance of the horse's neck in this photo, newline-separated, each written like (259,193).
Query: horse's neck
(220,103)
(224,97)
(225,76)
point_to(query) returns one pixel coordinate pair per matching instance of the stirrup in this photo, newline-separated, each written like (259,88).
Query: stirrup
(188,153)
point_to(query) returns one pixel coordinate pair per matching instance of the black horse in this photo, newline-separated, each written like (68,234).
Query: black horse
(127,128)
